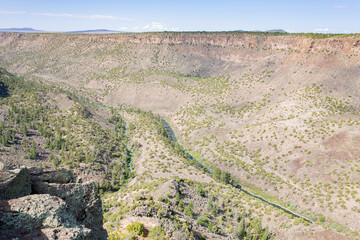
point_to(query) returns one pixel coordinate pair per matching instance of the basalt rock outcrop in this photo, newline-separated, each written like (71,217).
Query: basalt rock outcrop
(82,200)
(52,205)
(14,184)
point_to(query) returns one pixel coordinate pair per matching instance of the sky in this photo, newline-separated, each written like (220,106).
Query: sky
(324,16)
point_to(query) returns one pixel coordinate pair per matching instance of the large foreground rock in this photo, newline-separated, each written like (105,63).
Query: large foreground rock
(47,234)
(83,202)
(35,212)
(66,233)
(39,216)
(46,205)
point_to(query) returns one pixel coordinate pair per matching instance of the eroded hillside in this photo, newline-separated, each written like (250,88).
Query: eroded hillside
(278,112)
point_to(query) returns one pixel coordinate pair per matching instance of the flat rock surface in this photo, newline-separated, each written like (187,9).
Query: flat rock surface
(35,212)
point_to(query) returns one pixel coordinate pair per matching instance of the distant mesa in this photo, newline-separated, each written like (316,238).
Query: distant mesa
(270,31)
(276,31)
(107,31)
(19,30)
(30,30)
(99,31)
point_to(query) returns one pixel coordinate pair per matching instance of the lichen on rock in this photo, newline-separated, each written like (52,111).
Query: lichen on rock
(46,206)
(82,199)
(35,212)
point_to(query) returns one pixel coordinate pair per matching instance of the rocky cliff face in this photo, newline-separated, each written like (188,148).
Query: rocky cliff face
(48,206)
(186,53)
(349,44)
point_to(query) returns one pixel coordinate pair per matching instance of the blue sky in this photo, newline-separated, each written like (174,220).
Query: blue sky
(337,16)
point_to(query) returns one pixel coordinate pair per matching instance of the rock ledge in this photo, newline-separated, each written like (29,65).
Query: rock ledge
(48,205)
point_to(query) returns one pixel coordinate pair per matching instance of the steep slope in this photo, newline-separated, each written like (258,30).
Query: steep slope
(280,112)
(46,128)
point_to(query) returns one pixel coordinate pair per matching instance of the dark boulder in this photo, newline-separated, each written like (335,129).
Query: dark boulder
(14,184)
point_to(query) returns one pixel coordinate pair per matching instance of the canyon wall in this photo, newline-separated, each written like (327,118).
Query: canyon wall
(348,44)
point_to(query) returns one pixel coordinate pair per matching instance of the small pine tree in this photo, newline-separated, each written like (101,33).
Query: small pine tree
(32,152)
(41,129)
(24,130)
(181,204)
(210,202)
(240,229)
(8,136)
(258,229)
(54,160)
(214,209)
(177,197)
(3,140)
(13,137)
(200,191)
(225,177)
(189,210)
(265,235)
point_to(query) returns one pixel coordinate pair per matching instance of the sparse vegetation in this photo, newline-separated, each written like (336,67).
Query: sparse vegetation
(279,120)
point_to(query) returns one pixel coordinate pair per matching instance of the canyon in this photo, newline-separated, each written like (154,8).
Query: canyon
(278,112)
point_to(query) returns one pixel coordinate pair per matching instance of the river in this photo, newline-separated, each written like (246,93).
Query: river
(200,164)
(173,138)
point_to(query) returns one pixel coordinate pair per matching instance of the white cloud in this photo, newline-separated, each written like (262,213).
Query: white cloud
(122,28)
(321,30)
(155,26)
(69,15)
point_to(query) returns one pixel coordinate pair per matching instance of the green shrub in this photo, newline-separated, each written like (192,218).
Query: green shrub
(137,197)
(203,221)
(200,191)
(136,229)
(117,235)
(157,233)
